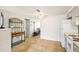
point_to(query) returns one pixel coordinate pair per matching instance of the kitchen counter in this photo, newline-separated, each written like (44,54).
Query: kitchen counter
(74,38)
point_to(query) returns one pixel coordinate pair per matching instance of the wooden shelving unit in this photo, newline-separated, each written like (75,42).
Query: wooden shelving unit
(16,26)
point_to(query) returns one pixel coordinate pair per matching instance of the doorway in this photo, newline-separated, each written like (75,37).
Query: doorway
(36,28)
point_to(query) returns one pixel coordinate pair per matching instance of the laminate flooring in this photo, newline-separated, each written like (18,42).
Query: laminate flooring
(35,44)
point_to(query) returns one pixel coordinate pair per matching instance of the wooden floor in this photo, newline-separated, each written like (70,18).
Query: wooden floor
(35,44)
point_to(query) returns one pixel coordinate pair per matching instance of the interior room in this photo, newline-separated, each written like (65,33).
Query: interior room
(39,28)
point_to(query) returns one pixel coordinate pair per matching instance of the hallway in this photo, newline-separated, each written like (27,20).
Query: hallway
(33,45)
(23,25)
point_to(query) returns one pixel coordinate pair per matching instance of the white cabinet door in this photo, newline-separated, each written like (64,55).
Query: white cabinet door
(69,45)
(5,40)
(75,48)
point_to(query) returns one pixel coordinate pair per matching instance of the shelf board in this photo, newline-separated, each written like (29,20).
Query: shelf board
(16,43)
(15,34)
(16,27)
(15,22)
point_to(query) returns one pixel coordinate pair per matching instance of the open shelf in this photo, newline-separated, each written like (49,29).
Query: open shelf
(16,26)
(17,34)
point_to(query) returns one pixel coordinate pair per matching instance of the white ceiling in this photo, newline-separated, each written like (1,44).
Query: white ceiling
(30,10)
(51,10)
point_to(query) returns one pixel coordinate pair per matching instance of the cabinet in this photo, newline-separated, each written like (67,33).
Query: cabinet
(68,44)
(75,48)
(5,40)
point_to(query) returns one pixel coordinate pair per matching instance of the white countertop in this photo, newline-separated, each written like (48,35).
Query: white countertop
(5,29)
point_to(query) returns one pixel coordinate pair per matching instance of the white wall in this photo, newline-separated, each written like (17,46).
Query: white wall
(69,27)
(8,15)
(52,28)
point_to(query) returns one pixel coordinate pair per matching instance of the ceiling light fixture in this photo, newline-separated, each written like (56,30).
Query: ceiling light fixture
(37,10)
(39,14)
